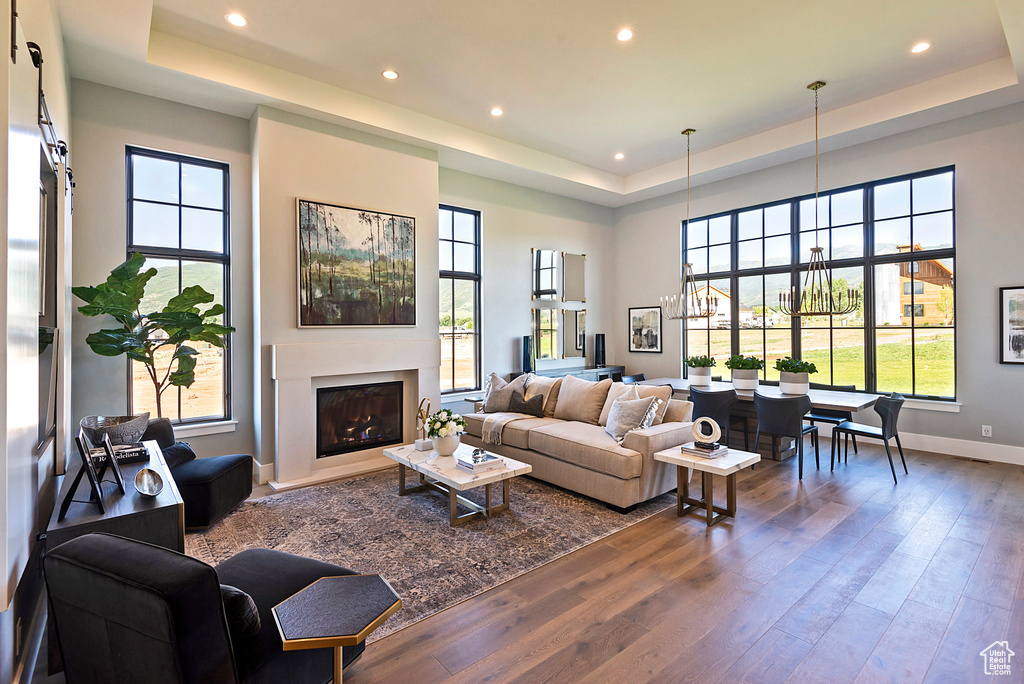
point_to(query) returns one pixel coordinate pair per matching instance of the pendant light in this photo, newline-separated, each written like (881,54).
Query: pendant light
(816,298)
(687,304)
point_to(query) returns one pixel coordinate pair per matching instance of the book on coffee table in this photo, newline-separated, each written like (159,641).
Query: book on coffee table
(479,463)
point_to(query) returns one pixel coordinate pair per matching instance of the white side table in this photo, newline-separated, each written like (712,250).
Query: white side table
(727,465)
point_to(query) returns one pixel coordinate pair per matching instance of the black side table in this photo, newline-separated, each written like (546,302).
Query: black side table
(334,612)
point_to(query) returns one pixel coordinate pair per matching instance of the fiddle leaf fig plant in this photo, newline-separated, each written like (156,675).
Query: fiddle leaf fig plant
(141,335)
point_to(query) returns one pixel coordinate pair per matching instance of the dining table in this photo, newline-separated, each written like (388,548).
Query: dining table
(835,400)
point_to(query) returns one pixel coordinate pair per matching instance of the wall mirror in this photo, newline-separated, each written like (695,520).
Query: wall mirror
(574,337)
(545,333)
(545,274)
(574,286)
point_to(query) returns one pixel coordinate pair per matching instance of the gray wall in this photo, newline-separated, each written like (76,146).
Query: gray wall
(986,149)
(105,120)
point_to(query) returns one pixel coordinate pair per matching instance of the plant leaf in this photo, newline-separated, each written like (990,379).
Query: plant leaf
(188,299)
(184,375)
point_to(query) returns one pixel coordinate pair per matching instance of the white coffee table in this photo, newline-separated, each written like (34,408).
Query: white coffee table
(727,465)
(439,474)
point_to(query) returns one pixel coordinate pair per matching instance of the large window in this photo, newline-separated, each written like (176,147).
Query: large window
(891,242)
(459,316)
(178,218)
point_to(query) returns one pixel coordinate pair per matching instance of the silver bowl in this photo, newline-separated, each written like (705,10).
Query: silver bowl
(120,429)
(148,482)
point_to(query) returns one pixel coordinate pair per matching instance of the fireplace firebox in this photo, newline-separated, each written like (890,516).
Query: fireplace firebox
(358,417)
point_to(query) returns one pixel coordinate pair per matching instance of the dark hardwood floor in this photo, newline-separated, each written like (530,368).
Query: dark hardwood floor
(843,577)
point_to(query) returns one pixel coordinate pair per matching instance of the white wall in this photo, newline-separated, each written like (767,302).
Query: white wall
(105,120)
(300,157)
(514,219)
(986,150)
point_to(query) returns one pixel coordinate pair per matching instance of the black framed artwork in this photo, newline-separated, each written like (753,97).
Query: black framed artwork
(1011,325)
(96,492)
(645,329)
(108,450)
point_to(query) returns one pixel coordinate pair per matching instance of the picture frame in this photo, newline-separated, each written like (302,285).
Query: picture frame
(87,469)
(1011,325)
(356,267)
(111,460)
(645,329)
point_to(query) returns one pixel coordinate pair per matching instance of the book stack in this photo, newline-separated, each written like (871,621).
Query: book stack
(123,453)
(479,463)
(704,451)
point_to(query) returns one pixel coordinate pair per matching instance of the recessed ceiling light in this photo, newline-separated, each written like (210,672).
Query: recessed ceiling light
(497,111)
(624,34)
(236,19)
(620,156)
(389,74)
(921,47)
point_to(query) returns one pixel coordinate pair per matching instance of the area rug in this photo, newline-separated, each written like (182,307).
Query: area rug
(362,523)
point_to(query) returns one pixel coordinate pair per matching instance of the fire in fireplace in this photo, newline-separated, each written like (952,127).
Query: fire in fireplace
(357,417)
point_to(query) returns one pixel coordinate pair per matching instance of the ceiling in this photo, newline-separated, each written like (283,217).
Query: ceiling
(573,95)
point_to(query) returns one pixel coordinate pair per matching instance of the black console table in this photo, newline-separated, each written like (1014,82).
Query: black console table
(592,373)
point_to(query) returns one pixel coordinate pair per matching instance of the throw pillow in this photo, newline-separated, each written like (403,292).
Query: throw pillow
(494,381)
(499,398)
(663,393)
(531,407)
(629,414)
(616,391)
(581,400)
(178,453)
(546,387)
(241,612)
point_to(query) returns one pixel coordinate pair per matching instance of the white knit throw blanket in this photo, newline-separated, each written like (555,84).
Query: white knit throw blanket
(494,423)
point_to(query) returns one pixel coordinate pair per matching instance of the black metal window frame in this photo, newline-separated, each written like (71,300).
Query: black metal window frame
(468,276)
(223,257)
(795,269)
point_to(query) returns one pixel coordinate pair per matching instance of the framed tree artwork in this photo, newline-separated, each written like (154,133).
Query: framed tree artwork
(1011,324)
(356,267)
(645,329)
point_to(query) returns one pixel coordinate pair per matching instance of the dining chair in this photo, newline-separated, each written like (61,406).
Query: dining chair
(633,379)
(784,417)
(888,409)
(833,416)
(717,405)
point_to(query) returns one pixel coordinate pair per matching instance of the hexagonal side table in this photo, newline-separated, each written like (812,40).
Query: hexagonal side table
(334,612)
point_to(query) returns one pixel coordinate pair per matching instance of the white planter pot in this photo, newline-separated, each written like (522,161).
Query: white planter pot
(446,446)
(701,377)
(746,379)
(794,383)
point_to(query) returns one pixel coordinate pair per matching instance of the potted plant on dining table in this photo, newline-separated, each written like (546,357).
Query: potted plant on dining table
(700,370)
(746,371)
(794,375)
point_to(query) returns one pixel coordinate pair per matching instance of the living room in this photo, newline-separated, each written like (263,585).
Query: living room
(548,130)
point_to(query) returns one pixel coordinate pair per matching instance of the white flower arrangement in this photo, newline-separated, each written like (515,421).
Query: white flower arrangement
(445,423)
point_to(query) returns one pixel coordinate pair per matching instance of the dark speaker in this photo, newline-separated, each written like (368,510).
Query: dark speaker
(527,353)
(599,359)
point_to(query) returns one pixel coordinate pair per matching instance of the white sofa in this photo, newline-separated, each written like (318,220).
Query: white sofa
(582,457)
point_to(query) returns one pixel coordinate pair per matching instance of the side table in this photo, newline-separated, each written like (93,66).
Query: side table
(727,465)
(361,604)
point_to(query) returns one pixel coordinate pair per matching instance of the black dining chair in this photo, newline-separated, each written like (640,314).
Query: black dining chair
(633,379)
(888,409)
(833,416)
(716,405)
(784,417)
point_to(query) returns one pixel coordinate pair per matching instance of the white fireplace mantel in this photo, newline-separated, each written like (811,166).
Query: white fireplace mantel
(297,368)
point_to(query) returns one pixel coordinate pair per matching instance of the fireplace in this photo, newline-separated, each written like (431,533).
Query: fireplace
(358,417)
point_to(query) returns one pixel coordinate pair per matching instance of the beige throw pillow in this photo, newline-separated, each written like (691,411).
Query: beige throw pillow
(662,392)
(501,396)
(630,414)
(581,400)
(616,391)
(548,388)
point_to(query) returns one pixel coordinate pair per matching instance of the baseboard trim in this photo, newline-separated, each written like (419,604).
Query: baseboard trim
(262,472)
(335,473)
(966,448)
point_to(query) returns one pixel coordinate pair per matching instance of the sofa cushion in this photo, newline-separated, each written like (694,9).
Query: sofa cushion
(630,414)
(500,397)
(517,433)
(618,389)
(531,407)
(549,387)
(475,423)
(581,400)
(588,446)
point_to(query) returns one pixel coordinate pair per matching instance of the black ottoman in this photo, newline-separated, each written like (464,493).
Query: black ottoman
(212,486)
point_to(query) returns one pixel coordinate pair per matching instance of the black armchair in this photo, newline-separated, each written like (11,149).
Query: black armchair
(126,611)
(716,405)
(784,417)
(888,409)
(210,487)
